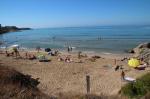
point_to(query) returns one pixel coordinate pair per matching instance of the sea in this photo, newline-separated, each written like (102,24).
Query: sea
(107,39)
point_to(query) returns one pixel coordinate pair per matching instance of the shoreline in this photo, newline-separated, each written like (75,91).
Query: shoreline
(89,53)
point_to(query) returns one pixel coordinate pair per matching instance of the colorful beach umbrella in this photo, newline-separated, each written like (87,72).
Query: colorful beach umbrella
(133,62)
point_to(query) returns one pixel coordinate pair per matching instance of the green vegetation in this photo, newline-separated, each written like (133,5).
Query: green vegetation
(138,89)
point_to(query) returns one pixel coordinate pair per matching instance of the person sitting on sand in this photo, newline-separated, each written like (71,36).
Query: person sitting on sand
(60,58)
(56,52)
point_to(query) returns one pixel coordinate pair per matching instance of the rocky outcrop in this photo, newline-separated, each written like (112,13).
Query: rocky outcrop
(6,29)
(141,48)
(142,51)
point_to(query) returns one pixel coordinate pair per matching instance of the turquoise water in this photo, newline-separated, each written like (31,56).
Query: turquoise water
(100,39)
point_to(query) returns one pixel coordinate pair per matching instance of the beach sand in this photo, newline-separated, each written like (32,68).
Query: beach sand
(60,77)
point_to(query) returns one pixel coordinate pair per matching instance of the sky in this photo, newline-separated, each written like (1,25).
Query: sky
(69,13)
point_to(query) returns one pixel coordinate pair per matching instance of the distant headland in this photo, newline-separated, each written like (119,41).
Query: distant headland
(6,29)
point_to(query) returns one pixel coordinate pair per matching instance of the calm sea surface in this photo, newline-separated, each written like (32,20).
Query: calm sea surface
(114,39)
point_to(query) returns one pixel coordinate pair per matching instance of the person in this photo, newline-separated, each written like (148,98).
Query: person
(122,75)
(68,60)
(79,54)
(56,52)
(117,67)
(38,48)
(16,52)
(30,56)
(50,52)
(60,58)
(9,54)
(71,49)
(68,49)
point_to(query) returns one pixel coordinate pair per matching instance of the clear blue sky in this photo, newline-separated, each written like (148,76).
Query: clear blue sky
(62,13)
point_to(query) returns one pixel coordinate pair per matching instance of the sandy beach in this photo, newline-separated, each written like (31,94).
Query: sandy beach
(61,77)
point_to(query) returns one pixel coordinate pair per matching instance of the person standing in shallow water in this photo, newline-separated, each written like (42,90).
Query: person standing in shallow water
(68,49)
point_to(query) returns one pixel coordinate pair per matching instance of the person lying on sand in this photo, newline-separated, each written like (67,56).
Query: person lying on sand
(55,53)
(60,58)
(9,54)
(14,52)
(142,66)
(30,56)
(68,59)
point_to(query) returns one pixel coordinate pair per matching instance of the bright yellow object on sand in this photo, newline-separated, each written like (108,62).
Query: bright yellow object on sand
(133,62)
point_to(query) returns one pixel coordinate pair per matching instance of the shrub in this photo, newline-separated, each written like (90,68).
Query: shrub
(137,89)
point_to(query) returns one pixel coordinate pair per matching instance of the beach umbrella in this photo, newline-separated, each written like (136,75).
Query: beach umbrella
(133,62)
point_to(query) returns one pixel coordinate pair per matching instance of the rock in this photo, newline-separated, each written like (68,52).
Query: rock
(140,48)
(144,45)
(131,51)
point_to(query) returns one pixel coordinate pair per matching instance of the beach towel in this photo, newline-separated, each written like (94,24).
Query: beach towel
(130,79)
(44,60)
